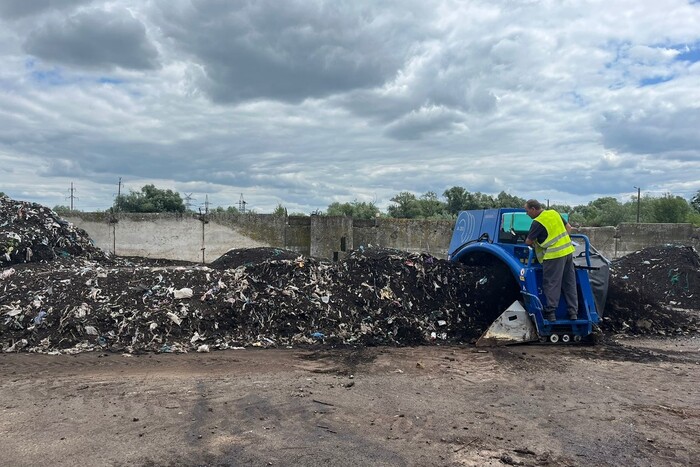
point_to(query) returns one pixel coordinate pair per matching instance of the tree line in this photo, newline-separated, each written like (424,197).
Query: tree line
(605,211)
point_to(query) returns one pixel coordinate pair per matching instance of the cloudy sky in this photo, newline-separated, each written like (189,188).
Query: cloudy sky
(309,102)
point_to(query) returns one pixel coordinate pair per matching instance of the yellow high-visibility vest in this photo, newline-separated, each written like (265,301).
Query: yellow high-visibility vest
(558,242)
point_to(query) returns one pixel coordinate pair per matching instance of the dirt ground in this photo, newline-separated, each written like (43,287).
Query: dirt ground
(118,392)
(627,402)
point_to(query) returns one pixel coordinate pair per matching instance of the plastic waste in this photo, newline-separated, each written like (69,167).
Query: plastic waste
(185,292)
(6,273)
(39,317)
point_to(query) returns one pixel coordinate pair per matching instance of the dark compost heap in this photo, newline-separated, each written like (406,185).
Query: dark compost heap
(67,296)
(654,291)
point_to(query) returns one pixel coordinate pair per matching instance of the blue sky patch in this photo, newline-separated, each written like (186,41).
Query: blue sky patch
(577,99)
(49,77)
(106,80)
(689,54)
(654,80)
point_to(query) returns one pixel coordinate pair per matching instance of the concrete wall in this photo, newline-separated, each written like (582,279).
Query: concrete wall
(331,237)
(405,234)
(615,242)
(603,239)
(633,237)
(298,235)
(183,236)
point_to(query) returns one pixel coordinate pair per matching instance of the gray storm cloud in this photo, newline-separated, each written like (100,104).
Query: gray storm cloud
(652,131)
(13,9)
(292,50)
(312,102)
(94,39)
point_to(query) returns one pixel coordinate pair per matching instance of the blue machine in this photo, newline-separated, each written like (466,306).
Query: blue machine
(499,235)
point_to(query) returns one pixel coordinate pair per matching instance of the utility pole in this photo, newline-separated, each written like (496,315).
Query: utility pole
(547,203)
(113,220)
(206,204)
(119,194)
(71,196)
(204,220)
(241,204)
(188,200)
(639,191)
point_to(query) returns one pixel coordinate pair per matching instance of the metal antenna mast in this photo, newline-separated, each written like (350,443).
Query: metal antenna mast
(188,200)
(71,196)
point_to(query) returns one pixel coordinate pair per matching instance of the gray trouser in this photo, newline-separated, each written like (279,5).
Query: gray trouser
(559,276)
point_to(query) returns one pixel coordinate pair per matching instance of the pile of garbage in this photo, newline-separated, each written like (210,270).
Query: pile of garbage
(30,232)
(373,297)
(67,296)
(249,256)
(654,291)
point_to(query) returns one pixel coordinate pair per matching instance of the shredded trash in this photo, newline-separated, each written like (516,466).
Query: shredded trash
(266,297)
(30,232)
(654,291)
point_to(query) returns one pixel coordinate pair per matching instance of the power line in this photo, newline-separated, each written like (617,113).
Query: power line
(188,200)
(71,196)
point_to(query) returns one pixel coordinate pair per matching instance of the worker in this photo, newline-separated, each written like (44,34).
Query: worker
(549,233)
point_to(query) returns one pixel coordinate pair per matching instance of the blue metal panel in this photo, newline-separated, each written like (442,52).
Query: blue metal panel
(472,226)
(493,249)
(467,229)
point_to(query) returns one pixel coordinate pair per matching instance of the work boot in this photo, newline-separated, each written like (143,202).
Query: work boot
(551,316)
(573,316)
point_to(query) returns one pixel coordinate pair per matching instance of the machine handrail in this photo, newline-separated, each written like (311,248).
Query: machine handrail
(586,241)
(538,303)
(530,254)
(588,246)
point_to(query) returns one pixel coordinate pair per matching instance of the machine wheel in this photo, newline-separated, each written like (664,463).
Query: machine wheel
(577,339)
(543,339)
(565,338)
(554,338)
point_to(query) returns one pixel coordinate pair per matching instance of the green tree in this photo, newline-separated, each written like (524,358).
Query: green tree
(504,200)
(560,208)
(695,201)
(645,207)
(431,207)
(459,199)
(600,212)
(694,218)
(228,210)
(670,209)
(150,199)
(280,211)
(61,210)
(456,199)
(406,207)
(356,210)
(480,200)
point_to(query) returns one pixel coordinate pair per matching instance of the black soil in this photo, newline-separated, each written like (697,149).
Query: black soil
(654,291)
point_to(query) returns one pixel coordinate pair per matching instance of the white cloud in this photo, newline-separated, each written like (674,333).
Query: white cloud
(309,103)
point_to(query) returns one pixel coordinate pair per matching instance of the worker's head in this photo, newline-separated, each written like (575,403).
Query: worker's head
(533,208)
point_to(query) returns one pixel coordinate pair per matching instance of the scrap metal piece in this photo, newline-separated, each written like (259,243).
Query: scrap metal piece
(514,326)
